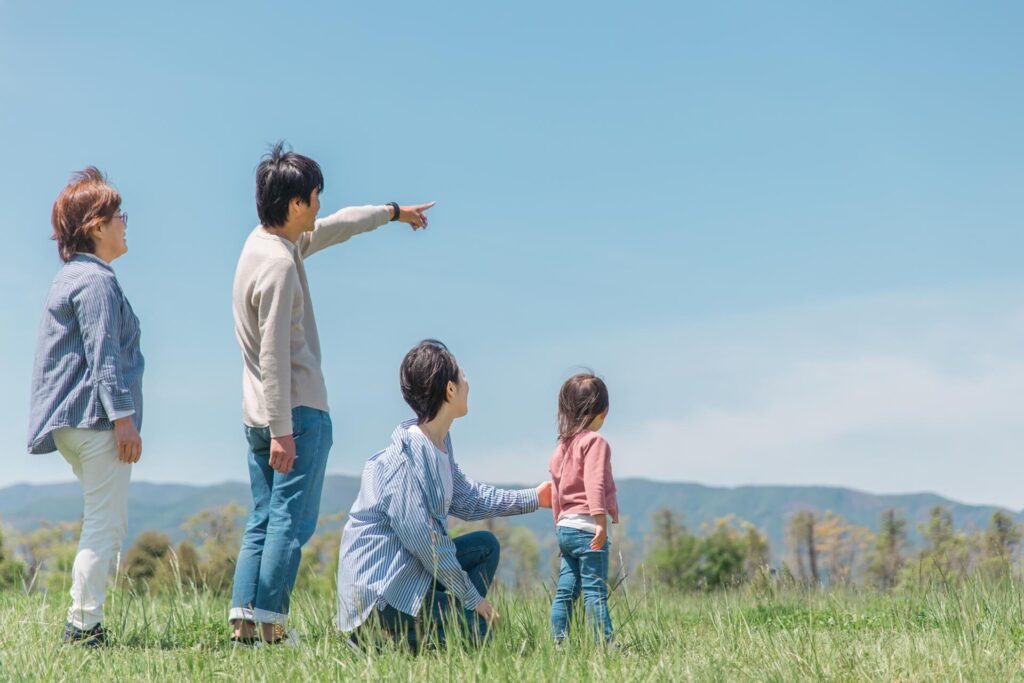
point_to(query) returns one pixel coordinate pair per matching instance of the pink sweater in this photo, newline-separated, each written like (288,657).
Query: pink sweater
(581,469)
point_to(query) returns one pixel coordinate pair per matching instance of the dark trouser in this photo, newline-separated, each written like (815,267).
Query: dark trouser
(478,553)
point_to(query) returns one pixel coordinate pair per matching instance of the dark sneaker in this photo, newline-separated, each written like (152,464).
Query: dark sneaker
(245,641)
(92,637)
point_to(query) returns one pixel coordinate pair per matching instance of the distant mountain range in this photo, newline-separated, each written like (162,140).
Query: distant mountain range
(164,507)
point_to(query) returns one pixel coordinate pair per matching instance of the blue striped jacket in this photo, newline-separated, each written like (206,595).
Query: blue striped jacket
(88,346)
(396,542)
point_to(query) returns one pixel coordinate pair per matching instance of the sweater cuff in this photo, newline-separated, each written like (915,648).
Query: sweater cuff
(281,426)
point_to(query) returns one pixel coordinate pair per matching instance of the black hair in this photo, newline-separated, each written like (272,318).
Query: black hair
(281,177)
(583,397)
(426,371)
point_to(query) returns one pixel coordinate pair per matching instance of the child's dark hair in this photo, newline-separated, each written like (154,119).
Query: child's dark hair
(583,397)
(426,371)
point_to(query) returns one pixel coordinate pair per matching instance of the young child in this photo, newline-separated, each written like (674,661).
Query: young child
(583,500)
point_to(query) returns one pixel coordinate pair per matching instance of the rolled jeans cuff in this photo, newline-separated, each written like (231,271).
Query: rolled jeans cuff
(257,615)
(241,614)
(264,616)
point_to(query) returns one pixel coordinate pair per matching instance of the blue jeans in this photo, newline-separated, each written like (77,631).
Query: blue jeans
(478,553)
(284,516)
(582,570)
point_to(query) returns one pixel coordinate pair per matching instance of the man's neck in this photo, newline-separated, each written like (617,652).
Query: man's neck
(290,231)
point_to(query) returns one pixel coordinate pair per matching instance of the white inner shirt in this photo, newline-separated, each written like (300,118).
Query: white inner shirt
(444,463)
(586,523)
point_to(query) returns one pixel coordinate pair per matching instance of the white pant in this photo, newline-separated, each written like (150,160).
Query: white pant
(92,455)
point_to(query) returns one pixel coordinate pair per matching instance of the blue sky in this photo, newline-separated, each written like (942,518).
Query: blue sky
(787,235)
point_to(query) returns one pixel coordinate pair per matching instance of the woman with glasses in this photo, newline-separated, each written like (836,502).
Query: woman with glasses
(87,385)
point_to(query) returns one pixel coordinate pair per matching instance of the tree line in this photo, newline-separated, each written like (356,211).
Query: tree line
(821,550)
(826,550)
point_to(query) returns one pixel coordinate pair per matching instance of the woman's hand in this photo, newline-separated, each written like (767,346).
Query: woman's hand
(544,492)
(415,215)
(600,537)
(129,443)
(487,613)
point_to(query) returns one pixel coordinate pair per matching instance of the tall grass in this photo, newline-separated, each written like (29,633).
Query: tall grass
(974,631)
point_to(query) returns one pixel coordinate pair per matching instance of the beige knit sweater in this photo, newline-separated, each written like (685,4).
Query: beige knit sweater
(274,321)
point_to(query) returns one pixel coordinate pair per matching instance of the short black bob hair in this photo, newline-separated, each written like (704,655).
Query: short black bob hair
(281,177)
(426,371)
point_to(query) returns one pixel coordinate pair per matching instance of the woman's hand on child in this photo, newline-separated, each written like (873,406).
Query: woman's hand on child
(599,538)
(544,494)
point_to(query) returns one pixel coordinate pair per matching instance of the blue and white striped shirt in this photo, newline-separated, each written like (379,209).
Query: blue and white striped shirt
(88,366)
(396,542)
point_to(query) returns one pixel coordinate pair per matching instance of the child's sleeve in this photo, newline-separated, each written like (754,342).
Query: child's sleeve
(556,507)
(596,462)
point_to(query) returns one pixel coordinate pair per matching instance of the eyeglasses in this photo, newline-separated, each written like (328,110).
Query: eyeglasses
(124,218)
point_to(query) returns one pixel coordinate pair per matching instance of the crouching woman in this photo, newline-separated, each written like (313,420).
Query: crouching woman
(398,568)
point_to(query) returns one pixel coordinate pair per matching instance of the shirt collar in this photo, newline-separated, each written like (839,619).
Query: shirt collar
(84,256)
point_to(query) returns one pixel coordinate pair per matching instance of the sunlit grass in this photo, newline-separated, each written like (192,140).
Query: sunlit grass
(970,632)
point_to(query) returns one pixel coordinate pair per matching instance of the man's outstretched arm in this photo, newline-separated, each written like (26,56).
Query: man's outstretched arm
(341,225)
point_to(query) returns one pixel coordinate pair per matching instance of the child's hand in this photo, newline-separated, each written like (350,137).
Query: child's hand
(600,537)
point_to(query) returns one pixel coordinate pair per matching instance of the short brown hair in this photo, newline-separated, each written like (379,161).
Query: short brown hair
(86,203)
(582,398)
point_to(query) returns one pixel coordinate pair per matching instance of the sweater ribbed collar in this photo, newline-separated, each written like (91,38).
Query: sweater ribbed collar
(275,238)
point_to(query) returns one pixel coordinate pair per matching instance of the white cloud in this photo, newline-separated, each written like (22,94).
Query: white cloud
(878,423)
(903,392)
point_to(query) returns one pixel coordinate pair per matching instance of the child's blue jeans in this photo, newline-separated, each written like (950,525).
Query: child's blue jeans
(582,570)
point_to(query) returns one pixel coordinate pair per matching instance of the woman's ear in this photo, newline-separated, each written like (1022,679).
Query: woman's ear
(449,393)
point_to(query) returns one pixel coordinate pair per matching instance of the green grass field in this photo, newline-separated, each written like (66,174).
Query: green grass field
(973,632)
